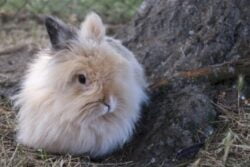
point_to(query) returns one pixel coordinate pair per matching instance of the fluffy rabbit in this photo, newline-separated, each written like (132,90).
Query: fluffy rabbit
(82,94)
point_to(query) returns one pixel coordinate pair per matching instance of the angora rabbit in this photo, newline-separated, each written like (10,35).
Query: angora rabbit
(82,94)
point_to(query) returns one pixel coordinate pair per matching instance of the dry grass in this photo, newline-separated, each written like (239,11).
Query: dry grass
(13,155)
(230,145)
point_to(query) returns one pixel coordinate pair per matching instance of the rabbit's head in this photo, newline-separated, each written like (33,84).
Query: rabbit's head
(84,74)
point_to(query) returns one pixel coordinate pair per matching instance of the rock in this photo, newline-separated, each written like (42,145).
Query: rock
(173,36)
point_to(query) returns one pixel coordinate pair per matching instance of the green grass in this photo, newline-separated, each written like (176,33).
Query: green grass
(115,11)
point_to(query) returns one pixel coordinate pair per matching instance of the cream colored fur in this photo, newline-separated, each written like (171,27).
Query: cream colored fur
(59,114)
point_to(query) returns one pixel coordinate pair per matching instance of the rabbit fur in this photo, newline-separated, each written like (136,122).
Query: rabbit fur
(82,94)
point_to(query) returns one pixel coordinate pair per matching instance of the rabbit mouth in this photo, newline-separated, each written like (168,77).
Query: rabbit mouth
(94,109)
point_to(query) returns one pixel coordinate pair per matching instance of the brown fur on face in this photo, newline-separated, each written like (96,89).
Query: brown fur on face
(105,72)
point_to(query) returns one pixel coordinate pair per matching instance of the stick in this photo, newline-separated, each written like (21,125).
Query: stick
(212,73)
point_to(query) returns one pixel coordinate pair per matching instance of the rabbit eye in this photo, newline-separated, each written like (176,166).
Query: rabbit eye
(81,79)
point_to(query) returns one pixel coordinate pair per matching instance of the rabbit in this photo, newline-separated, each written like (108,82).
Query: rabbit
(82,94)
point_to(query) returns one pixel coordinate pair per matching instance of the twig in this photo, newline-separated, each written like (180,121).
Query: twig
(212,73)
(215,73)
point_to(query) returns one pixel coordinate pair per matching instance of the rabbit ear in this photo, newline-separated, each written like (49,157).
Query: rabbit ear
(93,28)
(59,33)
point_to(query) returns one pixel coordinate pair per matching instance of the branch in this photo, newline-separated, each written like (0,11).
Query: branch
(213,73)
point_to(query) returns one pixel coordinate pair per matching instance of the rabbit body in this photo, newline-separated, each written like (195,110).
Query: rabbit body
(82,95)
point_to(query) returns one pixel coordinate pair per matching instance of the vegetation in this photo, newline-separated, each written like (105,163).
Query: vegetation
(230,144)
(113,10)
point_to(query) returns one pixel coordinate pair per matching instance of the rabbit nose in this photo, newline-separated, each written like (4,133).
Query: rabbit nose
(107,105)
(110,102)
